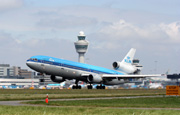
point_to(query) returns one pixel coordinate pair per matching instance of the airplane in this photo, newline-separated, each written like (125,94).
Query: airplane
(52,86)
(155,85)
(61,70)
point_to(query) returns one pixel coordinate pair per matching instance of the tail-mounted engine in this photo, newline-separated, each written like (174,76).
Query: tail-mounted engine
(127,68)
(116,65)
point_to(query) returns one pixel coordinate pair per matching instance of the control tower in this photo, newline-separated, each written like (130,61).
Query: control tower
(81,46)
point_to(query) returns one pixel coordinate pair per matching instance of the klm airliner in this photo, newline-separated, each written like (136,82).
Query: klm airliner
(61,70)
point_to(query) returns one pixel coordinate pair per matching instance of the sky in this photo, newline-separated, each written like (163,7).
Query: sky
(112,27)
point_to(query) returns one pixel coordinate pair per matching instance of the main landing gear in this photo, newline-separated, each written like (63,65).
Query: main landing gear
(76,86)
(89,86)
(100,87)
(97,87)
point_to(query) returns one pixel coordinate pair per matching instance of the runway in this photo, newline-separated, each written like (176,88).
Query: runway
(20,103)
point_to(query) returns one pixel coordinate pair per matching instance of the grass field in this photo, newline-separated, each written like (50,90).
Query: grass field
(158,102)
(28,94)
(26,110)
(102,107)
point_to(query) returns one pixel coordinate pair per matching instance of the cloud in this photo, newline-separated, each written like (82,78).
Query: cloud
(6,39)
(158,42)
(115,33)
(45,30)
(64,22)
(172,30)
(16,53)
(10,4)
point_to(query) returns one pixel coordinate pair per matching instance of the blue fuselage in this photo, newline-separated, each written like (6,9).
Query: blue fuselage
(72,70)
(72,65)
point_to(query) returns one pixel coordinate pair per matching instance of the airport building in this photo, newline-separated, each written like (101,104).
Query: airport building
(26,74)
(6,71)
(19,83)
(15,77)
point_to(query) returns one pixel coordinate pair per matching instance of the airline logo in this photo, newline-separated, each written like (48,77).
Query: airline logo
(51,59)
(127,60)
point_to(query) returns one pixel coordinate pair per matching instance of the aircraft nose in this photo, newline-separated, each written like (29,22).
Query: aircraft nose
(28,63)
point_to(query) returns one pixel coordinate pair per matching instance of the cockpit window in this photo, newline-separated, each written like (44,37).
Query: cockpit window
(34,59)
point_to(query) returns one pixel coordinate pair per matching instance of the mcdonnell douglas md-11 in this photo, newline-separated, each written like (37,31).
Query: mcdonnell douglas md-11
(61,70)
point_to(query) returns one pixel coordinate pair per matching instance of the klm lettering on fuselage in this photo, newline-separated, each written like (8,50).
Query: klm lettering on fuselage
(51,59)
(128,60)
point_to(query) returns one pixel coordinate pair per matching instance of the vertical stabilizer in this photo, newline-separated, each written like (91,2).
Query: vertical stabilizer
(128,59)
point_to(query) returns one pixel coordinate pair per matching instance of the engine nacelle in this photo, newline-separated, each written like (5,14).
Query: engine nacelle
(128,68)
(116,65)
(94,78)
(57,79)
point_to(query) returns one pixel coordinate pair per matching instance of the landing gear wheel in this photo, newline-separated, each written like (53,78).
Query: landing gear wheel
(100,87)
(79,87)
(103,87)
(76,87)
(89,86)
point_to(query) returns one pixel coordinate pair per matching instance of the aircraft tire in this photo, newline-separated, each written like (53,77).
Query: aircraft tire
(73,87)
(103,87)
(98,87)
(78,87)
(89,86)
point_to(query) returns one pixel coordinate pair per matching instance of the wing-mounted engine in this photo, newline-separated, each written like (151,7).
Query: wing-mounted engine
(95,78)
(57,79)
(127,68)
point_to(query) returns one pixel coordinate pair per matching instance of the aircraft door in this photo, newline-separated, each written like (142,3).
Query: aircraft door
(62,70)
(43,66)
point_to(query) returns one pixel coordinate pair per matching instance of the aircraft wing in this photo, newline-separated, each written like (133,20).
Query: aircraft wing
(129,76)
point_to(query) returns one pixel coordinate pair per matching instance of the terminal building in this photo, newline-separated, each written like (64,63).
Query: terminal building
(6,71)
(13,77)
(19,83)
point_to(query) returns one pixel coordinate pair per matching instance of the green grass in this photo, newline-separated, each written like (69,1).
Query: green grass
(158,102)
(100,107)
(28,94)
(28,110)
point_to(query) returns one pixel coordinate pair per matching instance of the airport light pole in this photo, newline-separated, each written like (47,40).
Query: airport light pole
(81,46)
